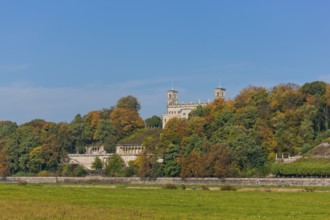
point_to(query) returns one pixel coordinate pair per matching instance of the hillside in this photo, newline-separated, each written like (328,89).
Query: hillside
(322,150)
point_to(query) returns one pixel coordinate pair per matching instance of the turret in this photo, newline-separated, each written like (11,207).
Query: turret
(219,92)
(172,97)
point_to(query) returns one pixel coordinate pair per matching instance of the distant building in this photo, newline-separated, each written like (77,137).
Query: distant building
(97,150)
(129,149)
(128,152)
(182,110)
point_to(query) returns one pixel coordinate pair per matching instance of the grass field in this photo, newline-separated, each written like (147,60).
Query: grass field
(138,202)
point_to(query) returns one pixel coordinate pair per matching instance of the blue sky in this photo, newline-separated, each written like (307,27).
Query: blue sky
(60,58)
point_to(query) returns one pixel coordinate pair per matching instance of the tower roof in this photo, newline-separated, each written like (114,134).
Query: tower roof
(220,88)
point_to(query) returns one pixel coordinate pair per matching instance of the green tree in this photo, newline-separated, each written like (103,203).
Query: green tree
(81,134)
(49,156)
(199,111)
(97,164)
(115,166)
(153,122)
(171,163)
(173,133)
(129,102)
(247,153)
(314,88)
(7,128)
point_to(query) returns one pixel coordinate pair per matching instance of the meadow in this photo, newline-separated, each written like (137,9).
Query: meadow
(47,201)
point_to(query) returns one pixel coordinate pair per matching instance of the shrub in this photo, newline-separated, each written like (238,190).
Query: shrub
(307,167)
(22,183)
(67,170)
(93,181)
(306,148)
(115,166)
(183,187)
(130,171)
(43,173)
(97,164)
(169,186)
(227,187)
(205,188)
(309,189)
(21,173)
(79,171)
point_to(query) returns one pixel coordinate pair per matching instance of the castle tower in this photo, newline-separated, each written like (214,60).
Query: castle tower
(172,97)
(219,92)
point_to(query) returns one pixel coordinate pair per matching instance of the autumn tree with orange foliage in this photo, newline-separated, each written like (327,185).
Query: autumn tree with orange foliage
(125,117)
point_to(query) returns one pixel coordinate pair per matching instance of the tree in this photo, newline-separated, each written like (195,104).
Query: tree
(171,163)
(129,102)
(153,122)
(125,121)
(314,88)
(173,133)
(148,167)
(220,159)
(115,166)
(7,128)
(196,125)
(199,111)
(191,165)
(81,134)
(48,156)
(246,151)
(97,164)
(4,166)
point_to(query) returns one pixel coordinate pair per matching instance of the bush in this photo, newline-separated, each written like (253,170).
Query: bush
(306,148)
(130,171)
(22,183)
(73,170)
(115,166)
(205,188)
(79,171)
(21,173)
(67,170)
(43,173)
(169,186)
(309,189)
(93,181)
(183,187)
(304,168)
(227,187)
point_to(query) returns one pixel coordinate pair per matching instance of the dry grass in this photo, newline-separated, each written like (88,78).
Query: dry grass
(143,187)
(90,186)
(55,210)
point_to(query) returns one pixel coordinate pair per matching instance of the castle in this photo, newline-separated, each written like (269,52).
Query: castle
(182,110)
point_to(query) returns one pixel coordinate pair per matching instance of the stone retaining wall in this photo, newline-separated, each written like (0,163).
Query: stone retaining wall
(189,181)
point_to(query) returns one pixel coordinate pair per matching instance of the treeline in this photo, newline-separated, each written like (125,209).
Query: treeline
(240,137)
(43,146)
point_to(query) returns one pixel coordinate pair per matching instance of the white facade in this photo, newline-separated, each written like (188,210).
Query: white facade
(182,110)
(126,152)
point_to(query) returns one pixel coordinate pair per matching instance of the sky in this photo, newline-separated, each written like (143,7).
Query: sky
(64,57)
